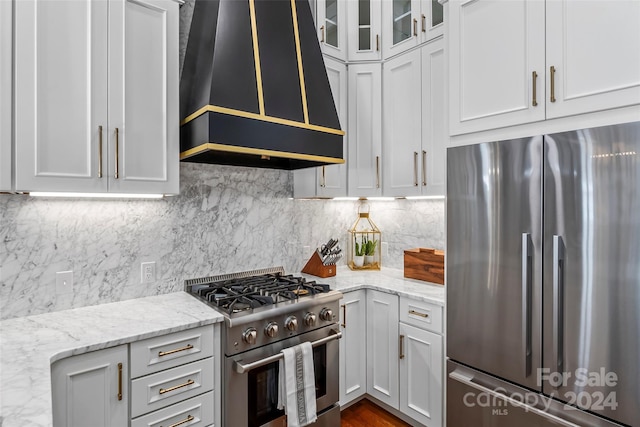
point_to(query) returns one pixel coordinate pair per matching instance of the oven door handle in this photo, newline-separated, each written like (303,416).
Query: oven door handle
(242,368)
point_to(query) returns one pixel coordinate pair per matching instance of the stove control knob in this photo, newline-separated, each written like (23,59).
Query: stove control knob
(250,335)
(291,323)
(310,319)
(271,330)
(326,314)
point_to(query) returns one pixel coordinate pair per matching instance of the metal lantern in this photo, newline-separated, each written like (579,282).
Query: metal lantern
(364,244)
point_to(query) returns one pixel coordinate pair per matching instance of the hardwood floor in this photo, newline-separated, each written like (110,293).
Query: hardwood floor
(366,414)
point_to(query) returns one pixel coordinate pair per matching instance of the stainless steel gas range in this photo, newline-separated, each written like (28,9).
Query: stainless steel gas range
(266,311)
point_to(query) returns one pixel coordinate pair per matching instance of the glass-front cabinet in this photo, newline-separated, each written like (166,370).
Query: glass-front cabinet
(408,23)
(330,24)
(364,35)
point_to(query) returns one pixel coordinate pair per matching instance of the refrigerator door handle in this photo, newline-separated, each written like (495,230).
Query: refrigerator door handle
(468,381)
(527,273)
(558,302)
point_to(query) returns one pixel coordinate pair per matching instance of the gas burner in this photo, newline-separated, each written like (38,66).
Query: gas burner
(238,294)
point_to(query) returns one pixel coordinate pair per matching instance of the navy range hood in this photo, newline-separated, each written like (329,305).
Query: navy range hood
(254,88)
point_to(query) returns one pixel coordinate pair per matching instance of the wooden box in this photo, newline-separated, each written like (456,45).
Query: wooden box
(424,264)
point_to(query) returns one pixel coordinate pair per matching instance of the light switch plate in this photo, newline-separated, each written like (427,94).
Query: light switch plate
(64,282)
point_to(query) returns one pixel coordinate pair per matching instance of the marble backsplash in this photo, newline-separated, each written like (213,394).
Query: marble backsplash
(225,219)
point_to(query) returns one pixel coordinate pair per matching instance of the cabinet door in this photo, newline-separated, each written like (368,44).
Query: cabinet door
(421,364)
(365,130)
(431,20)
(400,26)
(594,70)
(330,23)
(382,347)
(6,37)
(60,95)
(364,29)
(143,96)
(91,389)
(402,113)
(495,48)
(353,346)
(434,132)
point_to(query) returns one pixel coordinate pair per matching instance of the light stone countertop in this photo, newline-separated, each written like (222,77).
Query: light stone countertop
(29,345)
(388,280)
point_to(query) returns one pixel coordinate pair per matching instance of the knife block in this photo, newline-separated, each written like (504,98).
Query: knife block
(315,267)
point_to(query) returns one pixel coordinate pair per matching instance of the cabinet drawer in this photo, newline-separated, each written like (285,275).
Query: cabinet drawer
(165,388)
(421,314)
(194,412)
(166,351)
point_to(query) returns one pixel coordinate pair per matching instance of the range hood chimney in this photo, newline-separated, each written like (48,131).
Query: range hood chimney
(254,88)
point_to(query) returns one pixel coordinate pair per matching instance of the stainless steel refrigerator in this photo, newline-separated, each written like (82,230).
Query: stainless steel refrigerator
(543,280)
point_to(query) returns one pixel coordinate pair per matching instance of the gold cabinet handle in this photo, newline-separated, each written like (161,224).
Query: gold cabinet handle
(322,34)
(323,183)
(177,350)
(117,172)
(552,71)
(175,387)
(534,78)
(415,168)
(417,313)
(377,42)
(119,381)
(415,27)
(186,420)
(344,315)
(424,23)
(424,168)
(99,151)
(401,349)
(377,171)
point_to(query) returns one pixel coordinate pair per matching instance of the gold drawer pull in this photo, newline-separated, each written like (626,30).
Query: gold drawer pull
(186,420)
(417,313)
(175,387)
(166,353)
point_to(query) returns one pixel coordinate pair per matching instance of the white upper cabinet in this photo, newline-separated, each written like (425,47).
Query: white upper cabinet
(496,46)
(96,104)
(364,30)
(402,137)
(331,18)
(407,23)
(365,130)
(331,180)
(518,62)
(6,37)
(594,70)
(414,138)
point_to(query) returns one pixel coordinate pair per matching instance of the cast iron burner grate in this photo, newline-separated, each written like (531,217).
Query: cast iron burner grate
(246,293)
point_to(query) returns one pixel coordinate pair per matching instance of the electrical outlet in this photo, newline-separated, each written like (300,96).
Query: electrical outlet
(385,249)
(64,282)
(148,272)
(306,250)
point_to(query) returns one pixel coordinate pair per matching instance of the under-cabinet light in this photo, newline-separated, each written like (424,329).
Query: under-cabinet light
(95,195)
(347,199)
(381,199)
(425,197)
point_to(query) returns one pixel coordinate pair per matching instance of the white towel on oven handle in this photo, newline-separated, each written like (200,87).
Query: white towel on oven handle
(297,385)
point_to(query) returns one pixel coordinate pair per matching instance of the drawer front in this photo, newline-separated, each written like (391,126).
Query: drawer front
(166,351)
(421,314)
(195,412)
(165,388)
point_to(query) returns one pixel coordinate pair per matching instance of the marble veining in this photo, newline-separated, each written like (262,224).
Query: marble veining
(226,219)
(31,344)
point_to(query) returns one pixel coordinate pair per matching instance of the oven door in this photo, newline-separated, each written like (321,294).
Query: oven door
(251,380)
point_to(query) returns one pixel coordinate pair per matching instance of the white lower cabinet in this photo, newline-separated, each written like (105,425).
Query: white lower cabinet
(91,389)
(353,346)
(382,347)
(421,364)
(194,412)
(404,355)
